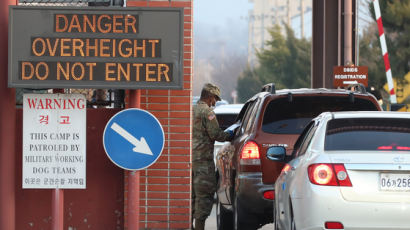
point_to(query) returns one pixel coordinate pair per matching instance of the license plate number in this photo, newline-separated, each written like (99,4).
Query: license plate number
(394,182)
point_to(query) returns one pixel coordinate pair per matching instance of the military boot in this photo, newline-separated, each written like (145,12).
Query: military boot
(199,224)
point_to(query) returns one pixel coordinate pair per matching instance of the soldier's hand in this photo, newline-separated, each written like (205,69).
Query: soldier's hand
(230,134)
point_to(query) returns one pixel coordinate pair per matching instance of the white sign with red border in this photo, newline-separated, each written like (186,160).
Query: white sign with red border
(54,141)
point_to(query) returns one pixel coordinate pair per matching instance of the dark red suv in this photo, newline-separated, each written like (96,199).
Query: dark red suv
(270,118)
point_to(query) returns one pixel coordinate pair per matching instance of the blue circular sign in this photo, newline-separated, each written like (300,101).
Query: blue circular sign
(133,139)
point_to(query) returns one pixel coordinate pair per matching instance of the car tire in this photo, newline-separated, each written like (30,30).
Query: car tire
(223,217)
(240,216)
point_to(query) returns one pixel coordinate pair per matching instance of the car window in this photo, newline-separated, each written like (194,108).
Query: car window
(308,139)
(242,112)
(368,134)
(247,116)
(304,139)
(252,115)
(282,116)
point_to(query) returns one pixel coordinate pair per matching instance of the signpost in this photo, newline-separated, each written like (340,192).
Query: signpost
(54,141)
(349,75)
(67,47)
(133,139)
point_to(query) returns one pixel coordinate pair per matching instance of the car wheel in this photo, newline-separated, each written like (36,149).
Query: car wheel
(240,216)
(223,217)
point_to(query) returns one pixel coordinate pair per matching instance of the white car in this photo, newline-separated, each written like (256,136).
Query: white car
(348,170)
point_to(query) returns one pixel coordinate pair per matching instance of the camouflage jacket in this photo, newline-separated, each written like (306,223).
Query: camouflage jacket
(205,131)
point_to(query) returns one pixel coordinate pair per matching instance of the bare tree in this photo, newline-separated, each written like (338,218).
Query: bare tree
(222,70)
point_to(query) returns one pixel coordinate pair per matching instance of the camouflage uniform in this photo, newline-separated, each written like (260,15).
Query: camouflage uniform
(205,131)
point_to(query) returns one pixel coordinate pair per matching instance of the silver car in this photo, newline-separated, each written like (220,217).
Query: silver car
(348,170)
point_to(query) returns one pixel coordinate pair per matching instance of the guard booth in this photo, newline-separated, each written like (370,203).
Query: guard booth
(113,57)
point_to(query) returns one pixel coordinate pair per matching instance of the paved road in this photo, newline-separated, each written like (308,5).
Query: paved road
(211,222)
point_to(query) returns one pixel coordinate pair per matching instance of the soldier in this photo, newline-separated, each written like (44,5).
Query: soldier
(205,132)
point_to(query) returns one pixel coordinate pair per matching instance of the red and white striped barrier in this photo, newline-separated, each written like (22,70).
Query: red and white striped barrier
(384,52)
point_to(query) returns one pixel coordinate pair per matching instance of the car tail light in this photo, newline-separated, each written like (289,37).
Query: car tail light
(286,168)
(250,153)
(404,148)
(334,225)
(341,175)
(269,194)
(385,147)
(329,174)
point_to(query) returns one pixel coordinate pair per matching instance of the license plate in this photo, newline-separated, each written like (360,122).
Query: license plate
(394,182)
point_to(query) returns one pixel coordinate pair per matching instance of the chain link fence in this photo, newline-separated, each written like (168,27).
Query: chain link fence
(96,98)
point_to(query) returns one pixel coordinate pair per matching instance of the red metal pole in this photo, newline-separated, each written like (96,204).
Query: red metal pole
(57,200)
(134,178)
(7,129)
(57,209)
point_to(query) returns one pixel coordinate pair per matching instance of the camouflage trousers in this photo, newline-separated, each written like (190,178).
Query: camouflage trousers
(203,189)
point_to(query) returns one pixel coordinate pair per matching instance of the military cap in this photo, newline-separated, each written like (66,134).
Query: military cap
(213,89)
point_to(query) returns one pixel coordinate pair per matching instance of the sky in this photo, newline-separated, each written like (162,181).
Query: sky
(220,40)
(217,12)
(224,23)
(220,26)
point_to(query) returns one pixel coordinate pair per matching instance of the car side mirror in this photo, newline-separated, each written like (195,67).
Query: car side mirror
(276,153)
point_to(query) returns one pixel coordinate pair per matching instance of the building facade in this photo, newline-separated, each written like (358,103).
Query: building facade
(266,13)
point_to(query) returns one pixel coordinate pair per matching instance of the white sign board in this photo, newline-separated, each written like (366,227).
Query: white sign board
(54,141)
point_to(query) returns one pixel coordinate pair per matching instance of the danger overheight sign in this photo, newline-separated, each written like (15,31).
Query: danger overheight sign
(54,141)
(87,47)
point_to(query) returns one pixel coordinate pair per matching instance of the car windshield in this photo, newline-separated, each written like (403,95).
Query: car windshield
(368,134)
(283,116)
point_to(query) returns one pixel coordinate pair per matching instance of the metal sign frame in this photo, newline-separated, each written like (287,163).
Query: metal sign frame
(55,47)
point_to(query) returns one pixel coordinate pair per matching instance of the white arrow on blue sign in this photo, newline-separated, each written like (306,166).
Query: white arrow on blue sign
(133,139)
